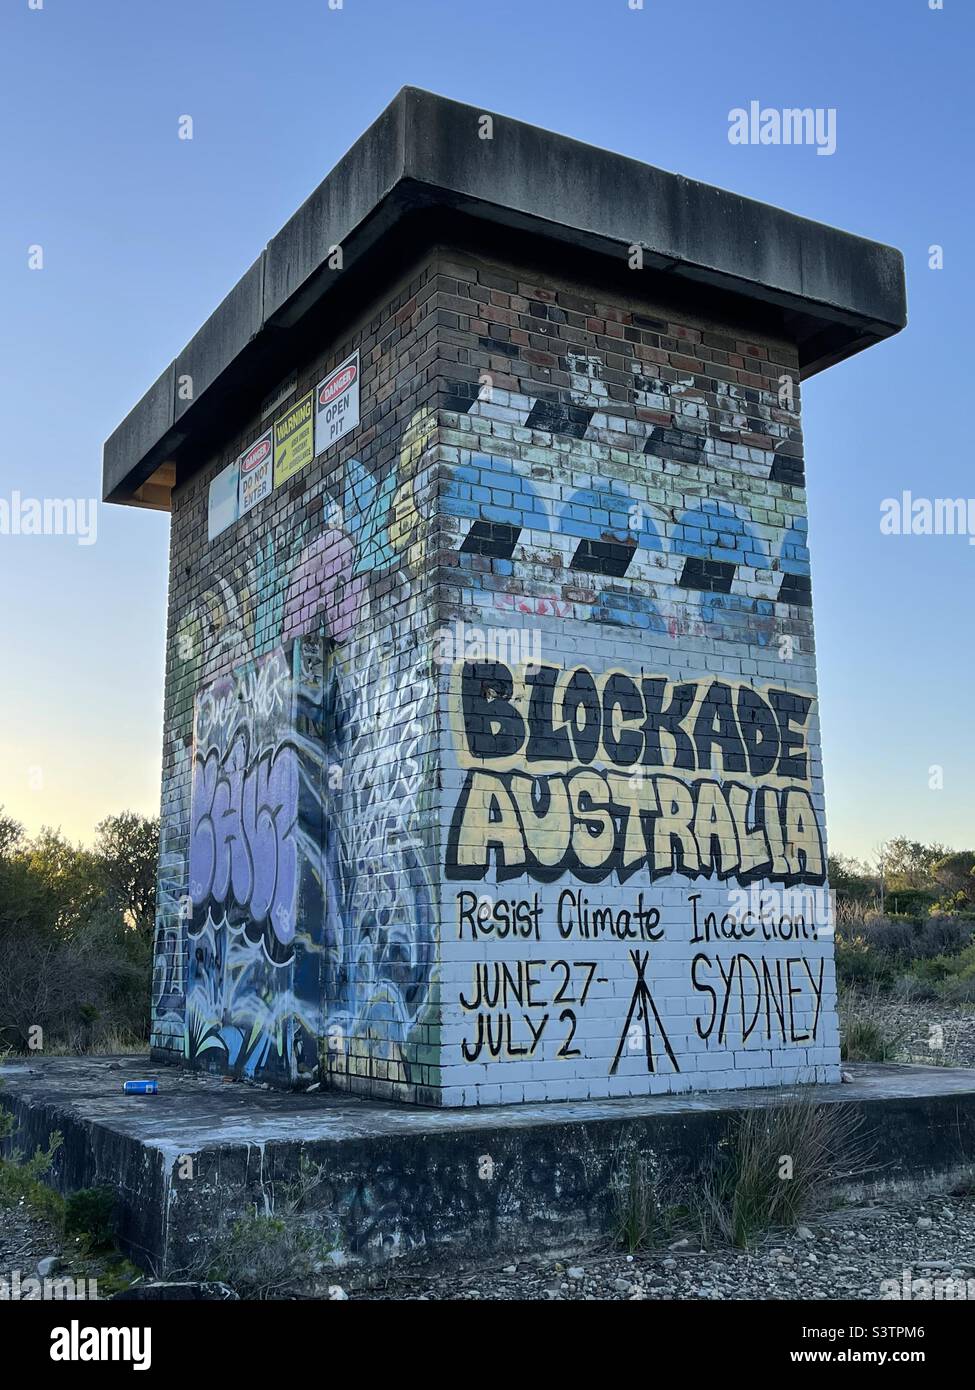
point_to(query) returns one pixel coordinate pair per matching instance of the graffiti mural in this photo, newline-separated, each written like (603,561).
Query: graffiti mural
(633,841)
(296,929)
(255,882)
(381,946)
(584,798)
(613,775)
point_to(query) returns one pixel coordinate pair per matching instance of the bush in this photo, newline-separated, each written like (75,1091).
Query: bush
(868,1032)
(775,1167)
(643,1218)
(883,951)
(911,902)
(859,964)
(866,1039)
(266,1257)
(90,1214)
(949,978)
(278,1254)
(945,936)
(22,1179)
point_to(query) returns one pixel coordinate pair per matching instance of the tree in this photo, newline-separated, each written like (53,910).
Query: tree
(67,874)
(127,851)
(851,878)
(11,834)
(76,934)
(954,877)
(909,864)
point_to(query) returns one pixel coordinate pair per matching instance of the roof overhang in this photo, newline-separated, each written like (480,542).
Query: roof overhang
(832,293)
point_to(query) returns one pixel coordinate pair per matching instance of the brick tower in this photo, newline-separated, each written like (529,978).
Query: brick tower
(491,751)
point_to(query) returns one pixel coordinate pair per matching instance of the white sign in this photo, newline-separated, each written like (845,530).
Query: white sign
(337,404)
(256,472)
(222,501)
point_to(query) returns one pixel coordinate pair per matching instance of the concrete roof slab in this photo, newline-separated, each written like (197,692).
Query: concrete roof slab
(840,292)
(136,447)
(228,330)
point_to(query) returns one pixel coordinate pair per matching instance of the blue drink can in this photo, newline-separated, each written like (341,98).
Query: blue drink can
(140,1088)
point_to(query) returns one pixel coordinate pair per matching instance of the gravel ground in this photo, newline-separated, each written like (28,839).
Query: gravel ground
(847,1254)
(27,1239)
(929,1034)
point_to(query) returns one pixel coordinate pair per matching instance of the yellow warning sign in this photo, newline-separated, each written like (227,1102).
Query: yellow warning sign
(294,440)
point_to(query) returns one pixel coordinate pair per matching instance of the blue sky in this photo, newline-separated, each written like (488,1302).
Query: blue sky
(143,233)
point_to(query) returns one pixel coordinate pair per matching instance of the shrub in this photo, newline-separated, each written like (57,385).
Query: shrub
(865,1034)
(949,977)
(90,1214)
(22,1179)
(265,1257)
(774,1168)
(276,1254)
(858,964)
(882,951)
(643,1218)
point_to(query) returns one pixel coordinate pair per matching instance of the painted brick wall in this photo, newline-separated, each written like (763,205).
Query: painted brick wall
(298,906)
(622,526)
(556,502)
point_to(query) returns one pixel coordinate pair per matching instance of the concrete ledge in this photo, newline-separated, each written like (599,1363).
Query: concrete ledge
(398,1181)
(836,293)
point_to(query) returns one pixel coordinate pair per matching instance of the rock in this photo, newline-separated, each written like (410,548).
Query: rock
(622,1286)
(337,1294)
(513,1269)
(576,1272)
(846,1078)
(804,1233)
(670,1264)
(47,1266)
(924,1223)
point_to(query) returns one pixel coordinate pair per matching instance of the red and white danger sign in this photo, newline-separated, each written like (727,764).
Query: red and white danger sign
(337,404)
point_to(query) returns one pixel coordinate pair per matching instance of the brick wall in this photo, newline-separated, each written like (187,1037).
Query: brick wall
(298,894)
(622,527)
(568,540)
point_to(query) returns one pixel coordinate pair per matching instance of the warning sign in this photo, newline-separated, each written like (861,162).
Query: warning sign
(294,440)
(256,472)
(337,404)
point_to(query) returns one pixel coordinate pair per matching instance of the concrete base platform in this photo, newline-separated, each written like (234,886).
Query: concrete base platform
(396,1180)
